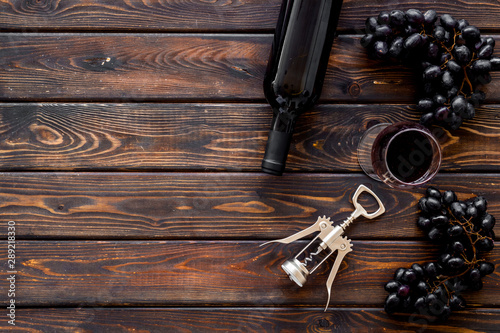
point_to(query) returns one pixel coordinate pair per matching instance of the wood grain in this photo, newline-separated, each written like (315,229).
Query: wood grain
(223,137)
(185,15)
(245,320)
(131,137)
(179,67)
(211,206)
(203,273)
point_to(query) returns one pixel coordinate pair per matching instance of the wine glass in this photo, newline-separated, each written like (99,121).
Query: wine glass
(401,155)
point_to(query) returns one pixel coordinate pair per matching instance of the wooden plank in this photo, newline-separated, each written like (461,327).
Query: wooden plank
(224,137)
(183,15)
(244,319)
(229,273)
(208,206)
(201,67)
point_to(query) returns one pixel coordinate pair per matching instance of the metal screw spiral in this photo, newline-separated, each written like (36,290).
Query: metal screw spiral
(348,221)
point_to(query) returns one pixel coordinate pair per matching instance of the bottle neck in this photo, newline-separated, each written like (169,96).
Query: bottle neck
(283,121)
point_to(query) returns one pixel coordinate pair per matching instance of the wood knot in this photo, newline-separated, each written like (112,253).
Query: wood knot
(46,135)
(323,323)
(100,63)
(354,89)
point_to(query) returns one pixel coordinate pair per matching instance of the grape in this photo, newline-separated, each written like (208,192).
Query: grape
(415,16)
(450,54)
(367,40)
(485,52)
(453,66)
(482,78)
(397,18)
(424,223)
(449,197)
(476,286)
(456,263)
(435,234)
(495,63)
(418,269)
(392,303)
(431,269)
(433,204)
(393,286)
(445,57)
(459,104)
(431,298)
(469,112)
(440,34)
(396,47)
(421,287)
(456,209)
(420,303)
(481,204)
(457,302)
(486,268)
(382,32)
(427,118)
(461,24)
(488,222)
(409,276)
(439,220)
(475,275)
(414,41)
(455,231)
(478,97)
(441,113)
(446,312)
(398,275)
(380,48)
(432,51)
(465,230)
(471,33)
(463,54)
(481,66)
(448,22)
(457,247)
(433,192)
(490,41)
(471,212)
(383,18)
(371,24)
(430,17)
(478,44)
(485,244)
(454,121)
(425,104)
(439,99)
(447,80)
(440,293)
(403,290)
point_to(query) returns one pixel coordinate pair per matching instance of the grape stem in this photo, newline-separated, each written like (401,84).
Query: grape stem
(469,231)
(449,51)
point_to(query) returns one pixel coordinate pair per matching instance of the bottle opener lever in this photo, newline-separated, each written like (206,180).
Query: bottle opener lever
(330,238)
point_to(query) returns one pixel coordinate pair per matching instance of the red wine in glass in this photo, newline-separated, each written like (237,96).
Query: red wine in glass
(404,154)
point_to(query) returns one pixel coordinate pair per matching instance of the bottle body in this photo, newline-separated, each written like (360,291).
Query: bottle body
(296,69)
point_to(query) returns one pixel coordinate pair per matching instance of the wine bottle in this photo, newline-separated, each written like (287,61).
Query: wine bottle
(296,69)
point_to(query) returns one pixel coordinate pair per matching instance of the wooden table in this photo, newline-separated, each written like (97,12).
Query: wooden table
(131,138)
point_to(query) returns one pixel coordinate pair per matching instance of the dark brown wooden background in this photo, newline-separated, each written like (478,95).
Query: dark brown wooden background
(131,137)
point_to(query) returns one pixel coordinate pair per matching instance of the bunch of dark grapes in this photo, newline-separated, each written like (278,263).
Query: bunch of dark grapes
(464,229)
(450,54)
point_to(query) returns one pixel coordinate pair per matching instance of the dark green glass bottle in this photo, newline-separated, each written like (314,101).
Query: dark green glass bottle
(296,70)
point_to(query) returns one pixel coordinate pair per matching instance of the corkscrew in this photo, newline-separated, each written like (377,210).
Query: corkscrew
(330,238)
